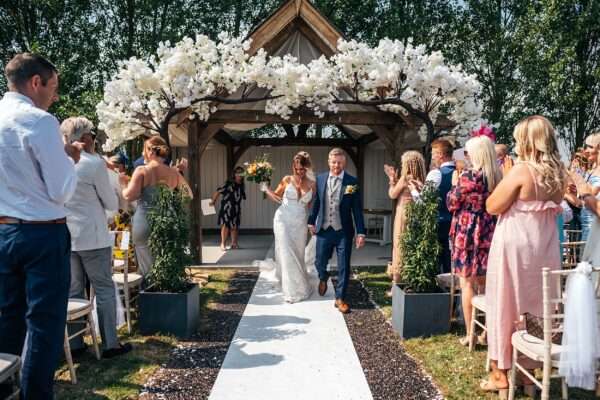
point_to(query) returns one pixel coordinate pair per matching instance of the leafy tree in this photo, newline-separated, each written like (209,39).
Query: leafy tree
(560,66)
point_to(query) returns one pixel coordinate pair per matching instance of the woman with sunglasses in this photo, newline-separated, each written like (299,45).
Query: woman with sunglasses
(592,178)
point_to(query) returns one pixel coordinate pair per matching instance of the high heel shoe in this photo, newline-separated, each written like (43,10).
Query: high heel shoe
(489,386)
(464,341)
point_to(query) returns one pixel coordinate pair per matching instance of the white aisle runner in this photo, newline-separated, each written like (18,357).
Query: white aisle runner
(284,351)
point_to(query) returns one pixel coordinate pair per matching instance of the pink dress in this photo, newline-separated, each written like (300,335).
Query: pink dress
(525,241)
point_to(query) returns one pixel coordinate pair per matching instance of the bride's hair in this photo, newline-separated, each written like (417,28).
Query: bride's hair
(303,158)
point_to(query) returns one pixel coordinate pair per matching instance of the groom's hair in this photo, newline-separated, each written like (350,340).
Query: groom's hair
(336,151)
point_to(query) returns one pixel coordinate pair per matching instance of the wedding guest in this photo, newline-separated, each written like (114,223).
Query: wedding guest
(37,178)
(117,167)
(441,178)
(91,244)
(527,202)
(505,161)
(230,212)
(591,251)
(591,176)
(472,226)
(412,172)
(143,187)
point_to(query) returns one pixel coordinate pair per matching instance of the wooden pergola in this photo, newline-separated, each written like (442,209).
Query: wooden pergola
(297,28)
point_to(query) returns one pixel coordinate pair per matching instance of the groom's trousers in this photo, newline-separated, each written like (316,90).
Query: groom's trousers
(328,240)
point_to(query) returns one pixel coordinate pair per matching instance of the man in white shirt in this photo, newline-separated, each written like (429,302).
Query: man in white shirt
(91,242)
(36,179)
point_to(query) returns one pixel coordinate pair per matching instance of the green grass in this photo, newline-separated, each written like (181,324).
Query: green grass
(455,371)
(123,377)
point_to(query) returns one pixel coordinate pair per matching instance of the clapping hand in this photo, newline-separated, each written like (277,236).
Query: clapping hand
(74,150)
(181,165)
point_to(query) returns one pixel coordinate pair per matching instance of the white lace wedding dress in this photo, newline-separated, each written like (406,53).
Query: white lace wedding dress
(293,266)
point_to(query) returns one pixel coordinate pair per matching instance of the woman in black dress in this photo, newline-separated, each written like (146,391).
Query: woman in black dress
(229,214)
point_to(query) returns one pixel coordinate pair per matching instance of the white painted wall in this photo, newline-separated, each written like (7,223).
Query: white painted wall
(257,213)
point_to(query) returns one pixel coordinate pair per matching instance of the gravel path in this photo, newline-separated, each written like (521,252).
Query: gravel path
(194,365)
(390,372)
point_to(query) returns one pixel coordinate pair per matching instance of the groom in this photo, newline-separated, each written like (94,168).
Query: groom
(337,201)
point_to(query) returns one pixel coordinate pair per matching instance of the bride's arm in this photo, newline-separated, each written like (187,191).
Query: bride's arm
(313,187)
(277,195)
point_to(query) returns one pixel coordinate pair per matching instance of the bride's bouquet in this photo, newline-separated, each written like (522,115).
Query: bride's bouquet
(259,171)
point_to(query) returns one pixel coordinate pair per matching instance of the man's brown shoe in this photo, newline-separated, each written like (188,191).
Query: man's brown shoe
(342,306)
(322,288)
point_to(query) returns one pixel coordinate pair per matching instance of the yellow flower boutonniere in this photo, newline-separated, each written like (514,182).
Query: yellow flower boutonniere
(351,189)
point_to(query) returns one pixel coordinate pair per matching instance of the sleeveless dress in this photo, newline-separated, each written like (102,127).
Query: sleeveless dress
(587,217)
(290,230)
(525,241)
(404,198)
(141,230)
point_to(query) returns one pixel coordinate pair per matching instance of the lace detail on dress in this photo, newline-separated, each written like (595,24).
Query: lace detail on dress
(289,268)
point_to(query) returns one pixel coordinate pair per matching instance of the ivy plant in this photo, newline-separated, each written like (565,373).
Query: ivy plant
(169,241)
(420,246)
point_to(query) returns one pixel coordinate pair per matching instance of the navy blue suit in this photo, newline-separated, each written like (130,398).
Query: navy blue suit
(351,215)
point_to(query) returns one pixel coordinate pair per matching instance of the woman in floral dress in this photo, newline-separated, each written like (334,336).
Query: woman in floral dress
(472,226)
(231,207)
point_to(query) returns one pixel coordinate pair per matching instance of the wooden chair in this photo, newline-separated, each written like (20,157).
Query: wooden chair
(478,311)
(127,282)
(543,350)
(79,308)
(450,282)
(572,235)
(572,252)
(10,369)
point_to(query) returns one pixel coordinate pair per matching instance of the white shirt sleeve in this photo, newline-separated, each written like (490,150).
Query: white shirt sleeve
(434,176)
(105,190)
(57,169)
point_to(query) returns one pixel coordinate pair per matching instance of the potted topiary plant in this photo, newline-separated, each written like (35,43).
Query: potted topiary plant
(170,302)
(419,308)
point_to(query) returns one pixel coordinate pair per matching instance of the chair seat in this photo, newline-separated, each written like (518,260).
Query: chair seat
(533,347)
(118,263)
(9,364)
(132,279)
(75,306)
(479,302)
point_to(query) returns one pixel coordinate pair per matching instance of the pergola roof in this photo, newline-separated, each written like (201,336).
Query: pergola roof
(299,29)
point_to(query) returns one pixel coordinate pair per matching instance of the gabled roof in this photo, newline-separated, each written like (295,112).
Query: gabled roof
(295,15)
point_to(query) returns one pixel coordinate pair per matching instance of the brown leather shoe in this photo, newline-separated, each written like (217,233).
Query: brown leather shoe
(342,306)
(322,288)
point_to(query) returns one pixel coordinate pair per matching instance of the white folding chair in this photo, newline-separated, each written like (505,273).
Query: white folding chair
(478,311)
(572,252)
(543,350)
(79,308)
(10,367)
(451,283)
(125,280)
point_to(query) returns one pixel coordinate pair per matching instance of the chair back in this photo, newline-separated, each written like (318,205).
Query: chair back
(572,252)
(573,235)
(121,243)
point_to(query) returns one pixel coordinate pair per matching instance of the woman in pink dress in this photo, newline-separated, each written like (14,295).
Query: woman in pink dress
(526,240)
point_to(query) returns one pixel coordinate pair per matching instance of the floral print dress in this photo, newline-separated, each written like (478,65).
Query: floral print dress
(472,227)
(231,204)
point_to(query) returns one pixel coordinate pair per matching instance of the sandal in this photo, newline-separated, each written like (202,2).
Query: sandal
(490,386)
(464,341)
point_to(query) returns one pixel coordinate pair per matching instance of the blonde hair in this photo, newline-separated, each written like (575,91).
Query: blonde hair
(536,145)
(336,151)
(303,158)
(413,164)
(593,139)
(483,157)
(75,127)
(157,146)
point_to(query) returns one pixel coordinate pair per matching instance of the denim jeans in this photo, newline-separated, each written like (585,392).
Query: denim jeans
(34,290)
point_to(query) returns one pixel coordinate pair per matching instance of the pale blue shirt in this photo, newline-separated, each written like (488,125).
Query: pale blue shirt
(36,176)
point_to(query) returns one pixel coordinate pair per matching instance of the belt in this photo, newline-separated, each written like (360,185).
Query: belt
(17,221)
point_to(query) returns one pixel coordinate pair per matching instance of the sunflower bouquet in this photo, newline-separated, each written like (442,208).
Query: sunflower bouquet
(259,171)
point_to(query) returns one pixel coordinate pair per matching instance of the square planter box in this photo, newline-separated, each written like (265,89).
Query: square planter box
(420,314)
(170,313)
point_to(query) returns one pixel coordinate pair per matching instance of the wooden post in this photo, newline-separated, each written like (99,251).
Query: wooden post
(360,171)
(230,159)
(194,175)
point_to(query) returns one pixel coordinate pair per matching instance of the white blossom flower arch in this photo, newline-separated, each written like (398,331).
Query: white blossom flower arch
(196,75)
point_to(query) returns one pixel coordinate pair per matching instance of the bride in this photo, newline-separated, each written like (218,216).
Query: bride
(294,193)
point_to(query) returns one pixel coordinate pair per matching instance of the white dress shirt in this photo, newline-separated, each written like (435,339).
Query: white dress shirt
(87,208)
(36,176)
(435,175)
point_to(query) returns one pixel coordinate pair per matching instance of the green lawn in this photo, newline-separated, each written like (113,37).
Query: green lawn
(123,377)
(455,371)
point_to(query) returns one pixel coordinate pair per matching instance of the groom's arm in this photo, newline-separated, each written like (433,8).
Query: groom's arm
(314,212)
(357,213)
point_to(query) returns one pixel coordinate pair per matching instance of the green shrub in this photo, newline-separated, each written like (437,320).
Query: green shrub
(420,247)
(169,241)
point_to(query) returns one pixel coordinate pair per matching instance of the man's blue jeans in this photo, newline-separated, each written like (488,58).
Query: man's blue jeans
(34,291)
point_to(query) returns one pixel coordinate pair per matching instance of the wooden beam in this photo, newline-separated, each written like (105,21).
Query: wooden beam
(286,141)
(360,171)
(315,38)
(367,139)
(351,153)
(345,132)
(223,138)
(270,28)
(239,152)
(289,130)
(340,118)
(302,129)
